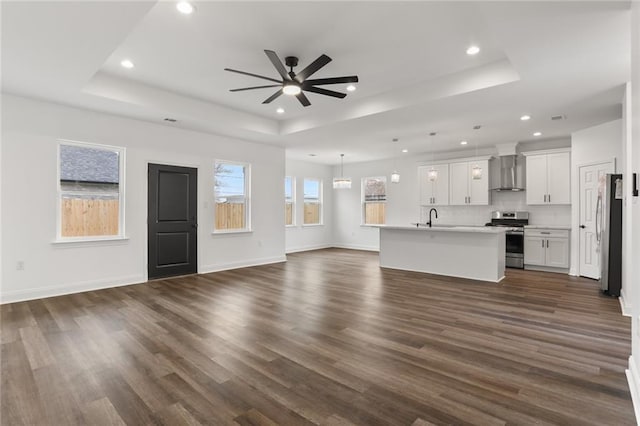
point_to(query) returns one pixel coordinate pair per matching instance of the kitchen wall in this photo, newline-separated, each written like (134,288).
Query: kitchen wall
(30,130)
(588,146)
(403,198)
(300,237)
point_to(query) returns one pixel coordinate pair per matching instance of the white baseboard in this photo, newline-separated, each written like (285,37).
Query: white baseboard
(634,380)
(625,307)
(309,248)
(357,247)
(242,264)
(43,292)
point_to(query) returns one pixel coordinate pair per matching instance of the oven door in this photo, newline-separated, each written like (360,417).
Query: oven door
(515,249)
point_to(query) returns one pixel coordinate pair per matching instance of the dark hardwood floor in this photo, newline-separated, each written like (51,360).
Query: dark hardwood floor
(325,338)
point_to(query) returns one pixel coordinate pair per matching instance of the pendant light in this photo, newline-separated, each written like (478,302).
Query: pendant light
(432,174)
(476,170)
(342,182)
(395,176)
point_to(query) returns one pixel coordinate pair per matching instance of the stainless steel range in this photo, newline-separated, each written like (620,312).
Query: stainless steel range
(514,223)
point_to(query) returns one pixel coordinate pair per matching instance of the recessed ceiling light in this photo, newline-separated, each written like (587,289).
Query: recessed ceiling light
(280,110)
(351,88)
(537,134)
(185,7)
(463,142)
(126,63)
(525,117)
(405,150)
(473,50)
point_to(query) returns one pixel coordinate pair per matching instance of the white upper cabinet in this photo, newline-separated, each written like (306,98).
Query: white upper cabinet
(464,189)
(434,192)
(548,177)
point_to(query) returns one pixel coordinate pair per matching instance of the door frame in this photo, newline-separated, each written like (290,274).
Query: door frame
(145,257)
(576,230)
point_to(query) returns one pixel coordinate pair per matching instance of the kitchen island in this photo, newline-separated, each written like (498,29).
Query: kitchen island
(458,251)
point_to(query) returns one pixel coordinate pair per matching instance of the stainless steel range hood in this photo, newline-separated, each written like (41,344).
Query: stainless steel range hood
(511,173)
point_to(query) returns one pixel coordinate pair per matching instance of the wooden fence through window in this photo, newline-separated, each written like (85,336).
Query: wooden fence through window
(230,216)
(83,217)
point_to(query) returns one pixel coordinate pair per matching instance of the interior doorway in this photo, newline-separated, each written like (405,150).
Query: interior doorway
(172,221)
(589,255)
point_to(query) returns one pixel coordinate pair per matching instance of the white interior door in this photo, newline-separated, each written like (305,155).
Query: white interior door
(589,256)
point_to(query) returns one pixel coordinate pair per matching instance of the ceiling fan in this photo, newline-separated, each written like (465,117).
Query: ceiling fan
(294,84)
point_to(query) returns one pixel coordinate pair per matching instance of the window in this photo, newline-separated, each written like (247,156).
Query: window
(90,196)
(312,201)
(231,181)
(374,200)
(289,203)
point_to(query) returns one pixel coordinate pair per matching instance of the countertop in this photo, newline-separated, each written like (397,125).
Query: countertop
(564,227)
(447,228)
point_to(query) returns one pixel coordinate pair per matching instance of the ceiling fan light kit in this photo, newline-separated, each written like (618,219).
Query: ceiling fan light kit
(295,84)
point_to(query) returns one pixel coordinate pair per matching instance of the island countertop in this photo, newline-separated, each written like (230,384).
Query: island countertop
(446,228)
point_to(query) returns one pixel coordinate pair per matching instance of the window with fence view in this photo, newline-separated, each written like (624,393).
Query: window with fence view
(289,203)
(89,190)
(374,191)
(312,201)
(231,181)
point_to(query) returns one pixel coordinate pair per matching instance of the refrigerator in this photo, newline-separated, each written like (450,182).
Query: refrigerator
(609,233)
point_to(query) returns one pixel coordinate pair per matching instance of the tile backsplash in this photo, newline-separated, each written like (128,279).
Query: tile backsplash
(479,215)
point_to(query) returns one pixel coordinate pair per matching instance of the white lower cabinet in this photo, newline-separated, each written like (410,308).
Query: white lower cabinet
(546,248)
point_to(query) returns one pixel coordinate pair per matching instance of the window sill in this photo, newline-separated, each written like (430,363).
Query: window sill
(87,242)
(232,231)
(371,225)
(290,226)
(311,225)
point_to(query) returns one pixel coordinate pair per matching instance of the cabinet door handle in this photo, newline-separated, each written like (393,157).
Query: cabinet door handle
(545,198)
(547,243)
(549,197)
(542,243)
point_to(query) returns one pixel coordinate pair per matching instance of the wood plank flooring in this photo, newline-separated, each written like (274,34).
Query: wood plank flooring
(325,338)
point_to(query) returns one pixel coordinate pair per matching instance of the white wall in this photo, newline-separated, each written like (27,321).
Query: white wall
(309,237)
(30,130)
(633,266)
(588,146)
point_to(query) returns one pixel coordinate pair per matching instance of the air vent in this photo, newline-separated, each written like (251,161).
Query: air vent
(559,117)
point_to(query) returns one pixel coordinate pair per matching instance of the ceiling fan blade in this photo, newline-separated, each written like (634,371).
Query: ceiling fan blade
(272,97)
(254,87)
(303,99)
(313,67)
(273,57)
(334,80)
(254,75)
(325,92)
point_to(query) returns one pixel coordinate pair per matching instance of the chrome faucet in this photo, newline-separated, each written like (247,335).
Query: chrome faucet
(431,211)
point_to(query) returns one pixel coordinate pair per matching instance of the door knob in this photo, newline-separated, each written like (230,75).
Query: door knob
(582,226)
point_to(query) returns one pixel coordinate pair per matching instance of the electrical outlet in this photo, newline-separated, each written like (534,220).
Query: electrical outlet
(20,265)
